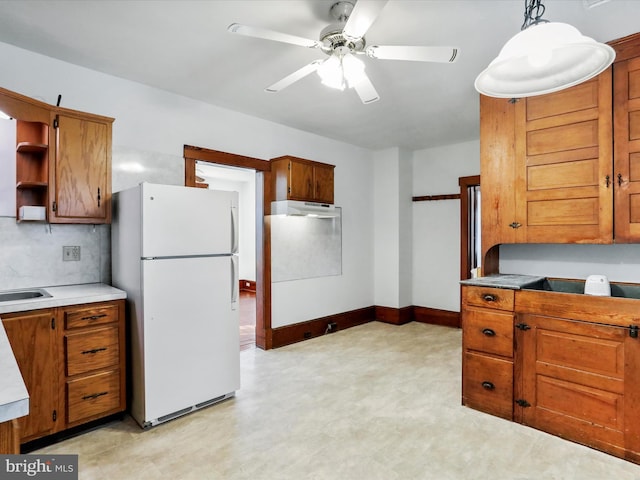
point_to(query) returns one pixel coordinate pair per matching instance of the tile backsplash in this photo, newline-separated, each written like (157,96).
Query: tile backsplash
(31,254)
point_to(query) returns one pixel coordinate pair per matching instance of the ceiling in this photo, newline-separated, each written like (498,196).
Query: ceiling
(183,47)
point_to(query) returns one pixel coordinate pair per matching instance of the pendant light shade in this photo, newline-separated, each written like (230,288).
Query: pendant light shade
(544,57)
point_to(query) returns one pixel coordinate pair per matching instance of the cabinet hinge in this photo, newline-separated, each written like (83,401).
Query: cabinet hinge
(289,166)
(56,122)
(523,403)
(633,331)
(53,323)
(523,326)
(54,416)
(288,189)
(54,207)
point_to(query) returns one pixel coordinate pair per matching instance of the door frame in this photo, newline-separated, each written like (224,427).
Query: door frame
(465,183)
(264,335)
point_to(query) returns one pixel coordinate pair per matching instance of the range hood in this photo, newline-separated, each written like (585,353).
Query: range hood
(304,209)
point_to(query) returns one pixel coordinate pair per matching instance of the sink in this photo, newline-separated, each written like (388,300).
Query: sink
(27,294)
(577,286)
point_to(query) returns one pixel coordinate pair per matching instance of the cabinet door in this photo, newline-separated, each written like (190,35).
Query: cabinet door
(497,139)
(323,184)
(33,341)
(300,181)
(626,80)
(563,149)
(573,380)
(81,178)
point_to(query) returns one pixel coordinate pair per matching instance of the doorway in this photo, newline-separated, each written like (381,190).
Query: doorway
(242,181)
(258,305)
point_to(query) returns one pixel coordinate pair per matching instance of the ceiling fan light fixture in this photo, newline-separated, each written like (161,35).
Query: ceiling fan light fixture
(341,70)
(543,58)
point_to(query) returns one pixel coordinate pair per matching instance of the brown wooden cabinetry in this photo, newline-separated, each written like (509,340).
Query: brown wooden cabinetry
(33,339)
(487,361)
(63,160)
(546,167)
(81,177)
(300,179)
(563,363)
(72,360)
(546,161)
(626,112)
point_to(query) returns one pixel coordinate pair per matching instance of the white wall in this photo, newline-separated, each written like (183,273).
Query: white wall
(151,120)
(436,224)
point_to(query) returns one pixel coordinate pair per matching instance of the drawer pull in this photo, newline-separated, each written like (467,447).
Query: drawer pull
(95,350)
(94,395)
(94,317)
(488,332)
(488,385)
(487,297)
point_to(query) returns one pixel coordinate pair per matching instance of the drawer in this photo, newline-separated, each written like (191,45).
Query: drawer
(489,331)
(90,316)
(92,396)
(92,349)
(487,384)
(498,298)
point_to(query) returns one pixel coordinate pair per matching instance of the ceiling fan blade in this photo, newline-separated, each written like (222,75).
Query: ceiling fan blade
(413,53)
(362,17)
(272,35)
(365,90)
(294,77)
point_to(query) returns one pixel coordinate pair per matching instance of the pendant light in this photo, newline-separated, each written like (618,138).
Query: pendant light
(543,57)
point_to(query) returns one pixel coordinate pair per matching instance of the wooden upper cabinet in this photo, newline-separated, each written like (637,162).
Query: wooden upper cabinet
(564,184)
(81,174)
(300,179)
(63,161)
(546,166)
(497,153)
(626,88)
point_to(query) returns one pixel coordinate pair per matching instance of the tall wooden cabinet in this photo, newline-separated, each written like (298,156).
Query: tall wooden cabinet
(63,161)
(626,113)
(300,179)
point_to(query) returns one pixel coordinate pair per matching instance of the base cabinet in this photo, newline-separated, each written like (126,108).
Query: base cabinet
(574,368)
(72,360)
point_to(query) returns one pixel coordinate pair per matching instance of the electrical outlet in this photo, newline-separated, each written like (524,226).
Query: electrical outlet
(71,254)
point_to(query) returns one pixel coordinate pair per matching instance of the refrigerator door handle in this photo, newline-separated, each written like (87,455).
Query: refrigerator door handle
(235,282)
(234,229)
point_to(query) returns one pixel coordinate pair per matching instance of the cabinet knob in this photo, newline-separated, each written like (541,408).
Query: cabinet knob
(488,332)
(488,386)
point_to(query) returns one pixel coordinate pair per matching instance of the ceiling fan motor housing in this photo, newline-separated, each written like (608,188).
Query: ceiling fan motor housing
(332,37)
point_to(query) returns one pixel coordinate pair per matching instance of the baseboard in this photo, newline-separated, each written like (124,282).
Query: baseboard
(247,286)
(436,316)
(298,332)
(395,316)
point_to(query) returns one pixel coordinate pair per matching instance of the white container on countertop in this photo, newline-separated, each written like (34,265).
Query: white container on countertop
(597,285)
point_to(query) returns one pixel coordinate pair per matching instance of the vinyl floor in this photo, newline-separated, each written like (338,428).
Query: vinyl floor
(375,401)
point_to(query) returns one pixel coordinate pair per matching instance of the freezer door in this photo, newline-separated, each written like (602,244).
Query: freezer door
(191,333)
(180,221)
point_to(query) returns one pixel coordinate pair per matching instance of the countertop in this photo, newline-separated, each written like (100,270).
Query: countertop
(513,282)
(14,398)
(65,295)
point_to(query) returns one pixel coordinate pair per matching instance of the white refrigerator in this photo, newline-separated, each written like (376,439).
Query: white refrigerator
(174,251)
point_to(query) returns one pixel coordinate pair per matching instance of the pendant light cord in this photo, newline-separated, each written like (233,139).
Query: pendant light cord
(533,11)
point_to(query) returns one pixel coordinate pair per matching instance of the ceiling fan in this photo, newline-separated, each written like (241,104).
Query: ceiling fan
(342,42)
